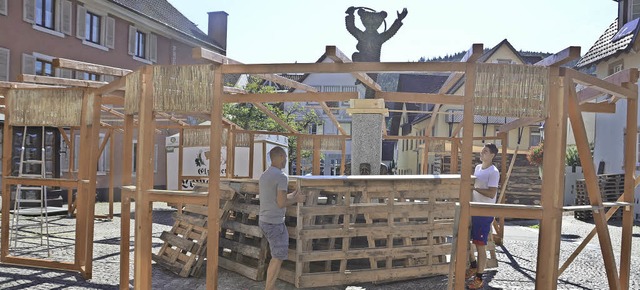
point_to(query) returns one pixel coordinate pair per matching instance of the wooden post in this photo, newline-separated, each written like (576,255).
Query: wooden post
(7,153)
(180,157)
(453,167)
(82,193)
(125,212)
(231,156)
(213,219)
(112,159)
(629,189)
(144,182)
(465,178)
(72,161)
(343,156)
(298,155)
(552,199)
(316,156)
(591,180)
(252,154)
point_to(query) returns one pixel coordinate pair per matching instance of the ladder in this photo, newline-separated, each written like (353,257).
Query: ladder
(25,194)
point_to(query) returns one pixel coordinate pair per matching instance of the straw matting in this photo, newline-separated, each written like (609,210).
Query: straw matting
(46,107)
(199,137)
(183,89)
(511,90)
(326,143)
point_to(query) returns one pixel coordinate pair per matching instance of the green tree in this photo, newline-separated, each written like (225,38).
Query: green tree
(249,117)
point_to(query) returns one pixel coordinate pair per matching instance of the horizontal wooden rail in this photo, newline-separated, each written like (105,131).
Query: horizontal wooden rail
(176,196)
(24,261)
(423,98)
(54,182)
(533,212)
(404,67)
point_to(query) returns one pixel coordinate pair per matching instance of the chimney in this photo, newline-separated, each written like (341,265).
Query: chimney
(218,29)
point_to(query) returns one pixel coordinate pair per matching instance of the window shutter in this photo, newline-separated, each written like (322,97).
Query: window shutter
(65,17)
(57,19)
(65,73)
(4,64)
(103,29)
(111,30)
(28,64)
(29,11)
(153,47)
(3,7)
(132,40)
(81,22)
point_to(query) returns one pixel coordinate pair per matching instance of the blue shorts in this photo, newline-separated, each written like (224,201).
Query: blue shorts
(480,229)
(278,238)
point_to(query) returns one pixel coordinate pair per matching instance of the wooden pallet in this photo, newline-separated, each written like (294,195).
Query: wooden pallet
(611,188)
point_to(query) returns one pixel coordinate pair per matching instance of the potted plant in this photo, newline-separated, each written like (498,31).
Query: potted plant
(535,155)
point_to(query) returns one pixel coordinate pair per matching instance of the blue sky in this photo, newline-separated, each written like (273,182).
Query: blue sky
(284,31)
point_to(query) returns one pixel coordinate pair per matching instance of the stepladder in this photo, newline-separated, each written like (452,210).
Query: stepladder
(31,201)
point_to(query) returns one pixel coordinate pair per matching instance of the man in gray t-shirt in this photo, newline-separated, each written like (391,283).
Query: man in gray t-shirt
(273,202)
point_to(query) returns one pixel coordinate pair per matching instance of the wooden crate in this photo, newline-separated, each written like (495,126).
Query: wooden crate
(611,188)
(363,229)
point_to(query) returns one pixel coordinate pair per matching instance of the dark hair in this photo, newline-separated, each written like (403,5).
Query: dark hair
(277,151)
(492,148)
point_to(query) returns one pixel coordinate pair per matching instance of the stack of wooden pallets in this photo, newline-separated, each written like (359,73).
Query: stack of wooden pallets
(611,188)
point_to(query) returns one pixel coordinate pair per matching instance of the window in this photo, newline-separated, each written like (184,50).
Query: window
(49,16)
(103,160)
(90,76)
(504,61)
(143,45)
(92,27)
(140,44)
(634,10)
(4,64)
(44,68)
(316,129)
(3,7)
(534,136)
(346,127)
(616,66)
(45,11)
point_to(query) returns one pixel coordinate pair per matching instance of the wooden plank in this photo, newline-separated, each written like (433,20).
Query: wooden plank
(116,85)
(59,81)
(420,251)
(53,182)
(624,76)
(629,188)
(421,98)
(243,249)
(213,218)
(40,263)
(465,174)
(17,85)
(506,210)
(112,162)
(356,277)
(601,107)
(399,67)
(239,268)
(89,67)
(338,56)
(273,116)
(144,182)
(553,185)
(289,97)
(179,197)
(603,86)
(202,53)
(519,123)
(562,57)
(7,150)
(582,143)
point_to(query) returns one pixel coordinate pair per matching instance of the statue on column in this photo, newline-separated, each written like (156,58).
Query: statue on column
(370,40)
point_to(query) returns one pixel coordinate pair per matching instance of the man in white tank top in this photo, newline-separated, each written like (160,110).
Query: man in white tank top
(485,189)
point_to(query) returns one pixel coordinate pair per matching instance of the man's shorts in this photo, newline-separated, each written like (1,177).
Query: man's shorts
(278,239)
(480,229)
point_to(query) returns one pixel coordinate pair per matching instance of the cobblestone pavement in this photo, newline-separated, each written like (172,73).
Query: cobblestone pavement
(516,269)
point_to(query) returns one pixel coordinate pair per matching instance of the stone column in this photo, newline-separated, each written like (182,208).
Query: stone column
(367,119)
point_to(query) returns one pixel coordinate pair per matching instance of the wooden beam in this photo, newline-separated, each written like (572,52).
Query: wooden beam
(630,140)
(273,116)
(125,225)
(89,67)
(519,123)
(591,179)
(403,67)
(603,86)
(564,56)
(624,76)
(16,85)
(59,81)
(112,100)
(289,97)
(116,85)
(601,107)
(338,56)
(552,195)
(333,119)
(420,98)
(506,210)
(202,53)
(172,118)
(234,90)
